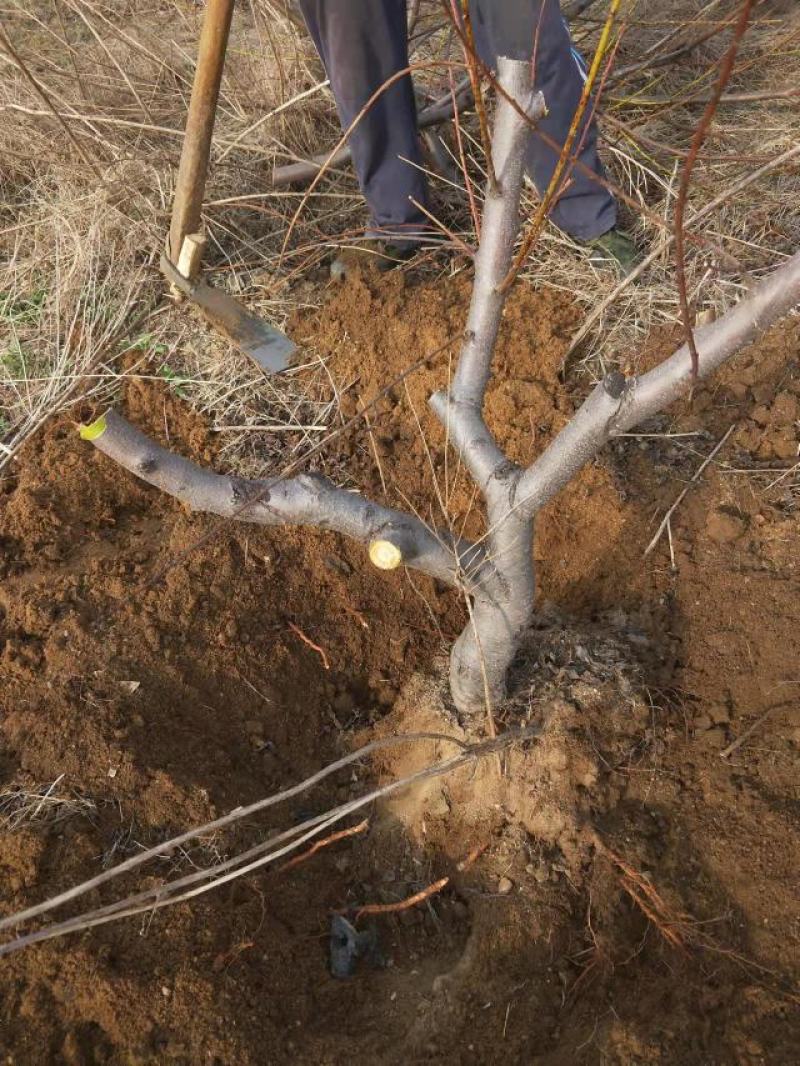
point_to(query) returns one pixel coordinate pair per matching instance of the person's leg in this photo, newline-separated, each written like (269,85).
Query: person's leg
(522,28)
(362,44)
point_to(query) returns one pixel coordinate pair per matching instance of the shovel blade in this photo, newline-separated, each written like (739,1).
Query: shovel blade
(267,346)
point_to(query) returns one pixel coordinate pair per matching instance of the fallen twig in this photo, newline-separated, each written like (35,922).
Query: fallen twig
(219,823)
(359,617)
(695,476)
(224,960)
(201,881)
(736,744)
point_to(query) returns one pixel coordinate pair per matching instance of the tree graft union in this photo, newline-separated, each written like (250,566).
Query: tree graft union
(496,575)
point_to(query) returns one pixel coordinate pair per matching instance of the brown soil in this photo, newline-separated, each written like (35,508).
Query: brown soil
(637,899)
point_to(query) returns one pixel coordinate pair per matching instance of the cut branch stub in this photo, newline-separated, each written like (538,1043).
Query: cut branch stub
(385,555)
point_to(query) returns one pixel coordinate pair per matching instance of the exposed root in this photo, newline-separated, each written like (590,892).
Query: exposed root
(674,926)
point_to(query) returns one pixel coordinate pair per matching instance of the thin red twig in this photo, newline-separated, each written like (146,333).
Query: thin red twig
(472,855)
(700,134)
(473,68)
(473,207)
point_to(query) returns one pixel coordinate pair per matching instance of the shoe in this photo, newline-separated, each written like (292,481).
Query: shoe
(616,247)
(373,252)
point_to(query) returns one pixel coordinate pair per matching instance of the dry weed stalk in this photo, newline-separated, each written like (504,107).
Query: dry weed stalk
(46,805)
(260,855)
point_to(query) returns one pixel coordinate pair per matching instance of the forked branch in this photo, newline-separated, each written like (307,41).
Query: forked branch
(498,574)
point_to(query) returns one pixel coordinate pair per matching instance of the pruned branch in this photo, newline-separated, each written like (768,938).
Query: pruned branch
(307,500)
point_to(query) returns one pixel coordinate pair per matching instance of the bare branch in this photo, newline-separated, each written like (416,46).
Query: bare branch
(308,499)
(499,230)
(616,404)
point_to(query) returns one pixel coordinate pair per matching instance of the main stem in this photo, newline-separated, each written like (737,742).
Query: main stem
(502,601)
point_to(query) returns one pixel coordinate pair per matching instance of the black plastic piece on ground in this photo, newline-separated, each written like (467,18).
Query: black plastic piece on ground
(348,945)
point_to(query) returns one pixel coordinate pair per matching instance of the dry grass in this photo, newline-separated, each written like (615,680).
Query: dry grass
(644,141)
(25,805)
(83,217)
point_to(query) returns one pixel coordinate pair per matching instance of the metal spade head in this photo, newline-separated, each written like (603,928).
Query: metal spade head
(270,348)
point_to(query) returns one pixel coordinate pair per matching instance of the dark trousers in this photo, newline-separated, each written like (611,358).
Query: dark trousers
(364,42)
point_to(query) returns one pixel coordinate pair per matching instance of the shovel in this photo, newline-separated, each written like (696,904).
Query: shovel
(270,348)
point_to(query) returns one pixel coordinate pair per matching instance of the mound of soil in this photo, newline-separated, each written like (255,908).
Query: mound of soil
(634,899)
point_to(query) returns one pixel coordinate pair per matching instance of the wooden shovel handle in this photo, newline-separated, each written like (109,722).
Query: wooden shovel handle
(191,181)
